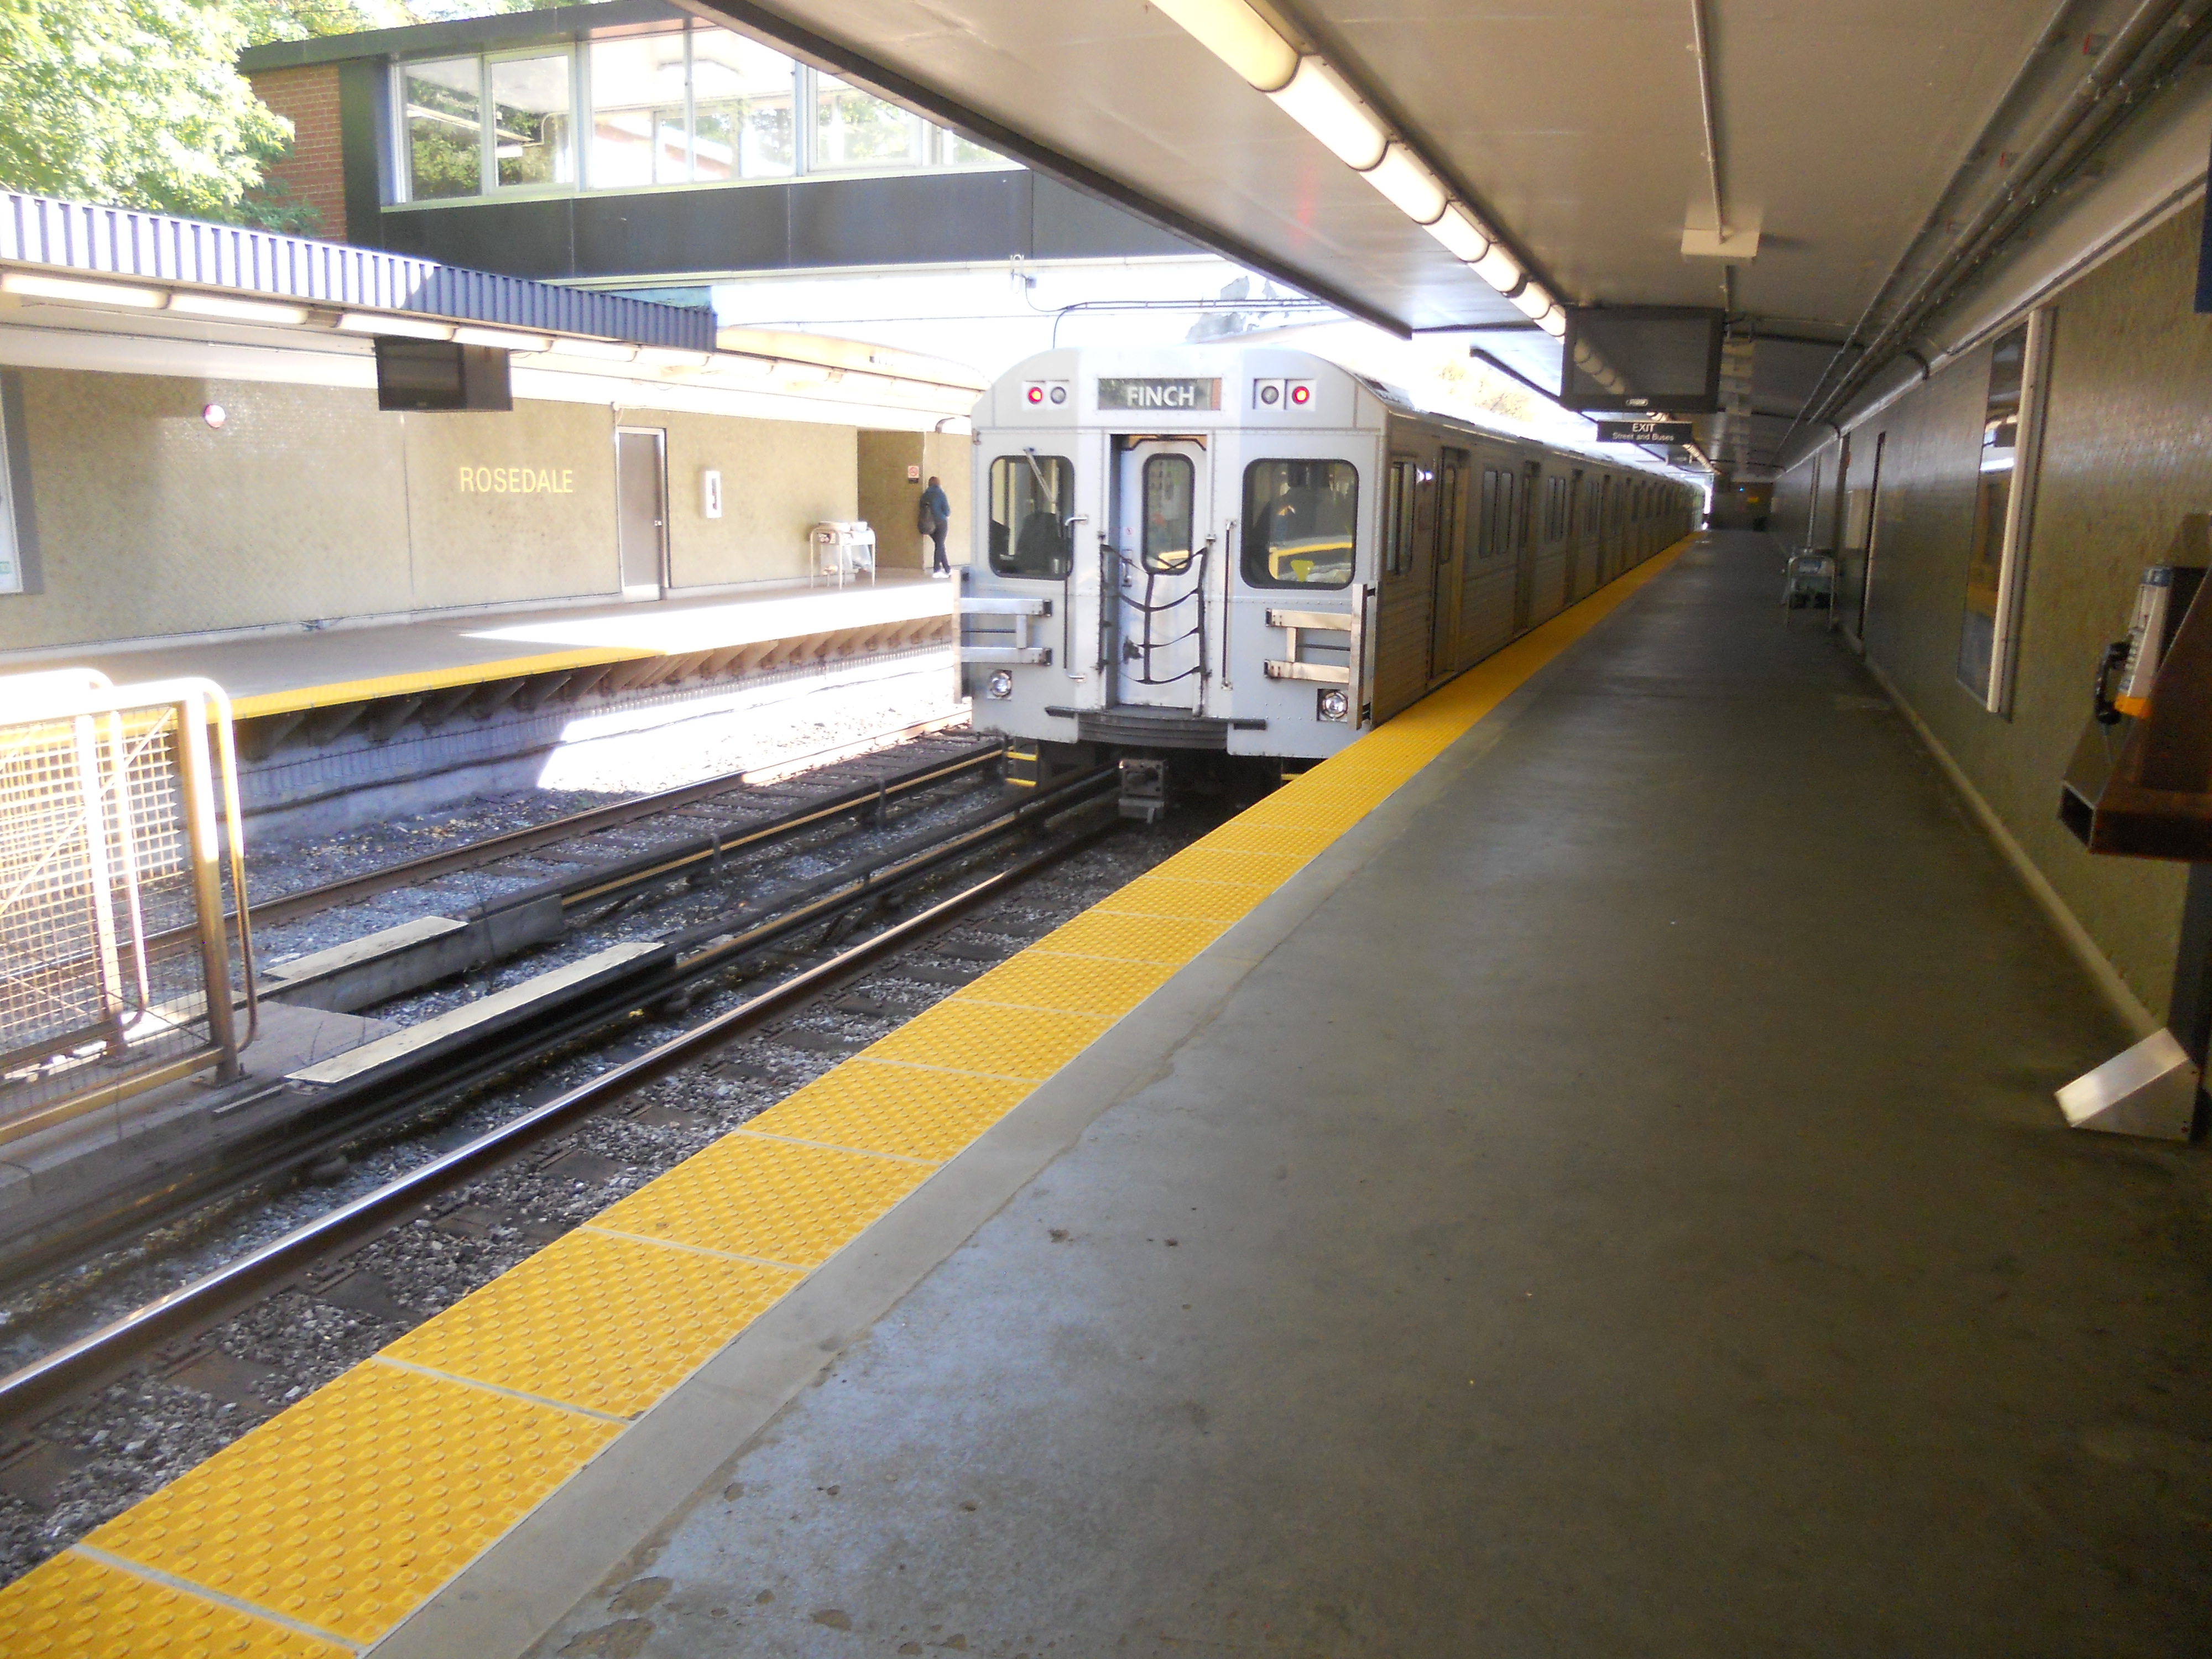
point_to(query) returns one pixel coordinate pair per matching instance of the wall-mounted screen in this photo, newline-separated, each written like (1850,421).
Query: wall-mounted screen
(1658,360)
(427,375)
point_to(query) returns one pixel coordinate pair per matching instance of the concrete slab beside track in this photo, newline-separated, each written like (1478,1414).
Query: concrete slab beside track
(340,1518)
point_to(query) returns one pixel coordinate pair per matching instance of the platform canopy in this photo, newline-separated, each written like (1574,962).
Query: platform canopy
(1574,131)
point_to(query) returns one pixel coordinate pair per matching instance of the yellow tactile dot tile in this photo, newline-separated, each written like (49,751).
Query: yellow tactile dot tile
(75,1608)
(1202,863)
(908,1111)
(975,1036)
(346,1512)
(1073,984)
(750,1196)
(609,1324)
(1288,840)
(1190,901)
(1168,939)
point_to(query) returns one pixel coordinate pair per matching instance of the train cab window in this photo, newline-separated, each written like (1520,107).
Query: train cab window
(1033,498)
(1298,522)
(1168,480)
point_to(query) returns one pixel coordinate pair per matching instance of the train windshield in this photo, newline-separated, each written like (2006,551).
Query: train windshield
(1298,520)
(1033,498)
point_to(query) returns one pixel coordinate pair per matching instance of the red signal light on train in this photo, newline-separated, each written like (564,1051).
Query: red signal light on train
(1301,394)
(1036,394)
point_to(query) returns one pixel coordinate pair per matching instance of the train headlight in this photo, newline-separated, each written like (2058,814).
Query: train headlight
(1001,686)
(1331,705)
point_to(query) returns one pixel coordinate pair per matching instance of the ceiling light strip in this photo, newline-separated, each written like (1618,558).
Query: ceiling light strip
(1313,93)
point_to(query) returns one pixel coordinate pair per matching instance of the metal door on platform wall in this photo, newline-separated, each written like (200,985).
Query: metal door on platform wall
(640,510)
(1162,546)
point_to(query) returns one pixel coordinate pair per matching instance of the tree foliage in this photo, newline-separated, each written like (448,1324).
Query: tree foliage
(138,103)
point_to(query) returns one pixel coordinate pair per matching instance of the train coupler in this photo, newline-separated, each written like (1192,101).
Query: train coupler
(1144,790)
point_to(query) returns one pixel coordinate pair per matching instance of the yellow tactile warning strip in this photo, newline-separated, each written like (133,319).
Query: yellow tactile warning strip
(319,1531)
(76,1607)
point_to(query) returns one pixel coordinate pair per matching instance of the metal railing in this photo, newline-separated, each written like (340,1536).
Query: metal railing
(116,965)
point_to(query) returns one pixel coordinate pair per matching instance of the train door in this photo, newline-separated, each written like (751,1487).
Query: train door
(1163,544)
(1524,549)
(1578,532)
(1449,579)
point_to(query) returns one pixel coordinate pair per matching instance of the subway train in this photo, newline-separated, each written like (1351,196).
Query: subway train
(1252,550)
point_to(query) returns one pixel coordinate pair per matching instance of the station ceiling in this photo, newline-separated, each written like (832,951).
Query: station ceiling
(1576,126)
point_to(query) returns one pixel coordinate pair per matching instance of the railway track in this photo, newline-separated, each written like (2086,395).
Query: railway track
(188,1356)
(369,1090)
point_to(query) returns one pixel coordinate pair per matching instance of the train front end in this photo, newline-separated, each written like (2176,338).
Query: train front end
(1172,556)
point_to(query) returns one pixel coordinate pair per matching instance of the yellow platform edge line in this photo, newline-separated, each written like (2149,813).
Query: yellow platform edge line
(302,698)
(1404,744)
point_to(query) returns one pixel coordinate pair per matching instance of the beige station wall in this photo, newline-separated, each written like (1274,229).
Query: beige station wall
(780,479)
(2127,455)
(888,498)
(308,504)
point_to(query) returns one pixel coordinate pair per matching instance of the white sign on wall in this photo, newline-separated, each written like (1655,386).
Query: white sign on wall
(710,493)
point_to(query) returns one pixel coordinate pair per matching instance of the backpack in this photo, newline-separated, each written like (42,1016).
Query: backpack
(924,520)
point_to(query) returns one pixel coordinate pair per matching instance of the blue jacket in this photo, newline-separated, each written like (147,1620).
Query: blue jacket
(933,499)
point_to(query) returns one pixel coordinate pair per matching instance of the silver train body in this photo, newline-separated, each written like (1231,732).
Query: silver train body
(1250,549)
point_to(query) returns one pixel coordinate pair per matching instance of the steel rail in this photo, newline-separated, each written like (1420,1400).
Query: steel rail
(350,1111)
(309,901)
(101,1353)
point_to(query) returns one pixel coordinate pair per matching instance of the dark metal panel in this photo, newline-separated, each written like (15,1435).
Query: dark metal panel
(496,33)
(668,232)
(944,217)
(1067,223)
(362,131)
(534,238)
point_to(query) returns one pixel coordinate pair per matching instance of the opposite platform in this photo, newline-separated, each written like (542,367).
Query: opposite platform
(289,671)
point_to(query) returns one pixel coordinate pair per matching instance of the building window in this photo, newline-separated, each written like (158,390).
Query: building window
(639,93)
(533,131)
(444,129)
(744,94)
(699,106)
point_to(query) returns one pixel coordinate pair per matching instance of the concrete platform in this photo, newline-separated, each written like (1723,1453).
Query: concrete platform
(286,672)
(1611,1202)
(1574,1173)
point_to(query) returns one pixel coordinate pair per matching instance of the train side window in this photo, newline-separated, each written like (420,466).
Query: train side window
(1399,509)
(1033,498)
(1299,518)
(1168,512)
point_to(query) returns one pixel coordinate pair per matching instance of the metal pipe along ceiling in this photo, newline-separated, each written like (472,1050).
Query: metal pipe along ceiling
(1701,37)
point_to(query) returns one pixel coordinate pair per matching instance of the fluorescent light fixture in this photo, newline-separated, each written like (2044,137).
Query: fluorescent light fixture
(1532,302)
(502,339)
(399,328)
(1318,101)
(31,286)
(605,351)
(1408,185)
(1554,322)
(221,308)
(1239,37)
(1498,269)
(1462,238)
(669,357)
(743,365)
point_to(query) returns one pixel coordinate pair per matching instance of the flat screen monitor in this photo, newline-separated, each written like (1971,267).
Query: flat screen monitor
(424,376)
(1643,360)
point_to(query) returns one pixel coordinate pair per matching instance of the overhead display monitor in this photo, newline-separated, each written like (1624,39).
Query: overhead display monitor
(1643,360)
(437,374)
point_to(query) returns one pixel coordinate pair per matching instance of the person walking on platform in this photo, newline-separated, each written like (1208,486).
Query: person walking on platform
(935,516)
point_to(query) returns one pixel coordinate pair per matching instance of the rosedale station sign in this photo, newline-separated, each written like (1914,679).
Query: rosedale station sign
(518,481)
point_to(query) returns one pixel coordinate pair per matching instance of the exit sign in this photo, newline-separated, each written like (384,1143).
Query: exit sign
(1643,432)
